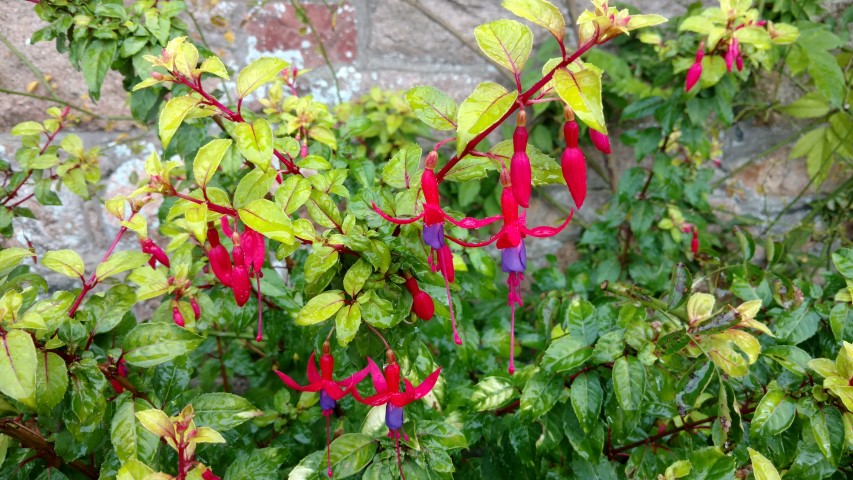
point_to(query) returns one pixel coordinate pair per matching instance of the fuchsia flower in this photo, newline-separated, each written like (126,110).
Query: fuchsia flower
(694,242)
(422,303)
(696,69)
(519,168)
(177,317)
(510,240)
(196,308)
(573,161)
(157,254)
(600,140)
(388,393)
(209,475)
(440,258)
(732,53)
(330,390)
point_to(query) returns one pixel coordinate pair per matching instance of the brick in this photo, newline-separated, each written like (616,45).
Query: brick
(276,28)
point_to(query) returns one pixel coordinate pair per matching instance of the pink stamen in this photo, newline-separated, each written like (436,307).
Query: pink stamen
(329,443)
(399,458)
(512,340)
(452,316)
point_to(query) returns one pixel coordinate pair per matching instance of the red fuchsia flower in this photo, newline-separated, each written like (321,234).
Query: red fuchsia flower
(695,70)
(177,317)
(510,241)
(254,249)
(196,308)
(209,475)
(519,167)
(220,263)
(157,254)
(121,369)
(440,258)
(422,303)
(694,243)
(573,161)
(330,390)
(388,393)
(600,140)
(732,53)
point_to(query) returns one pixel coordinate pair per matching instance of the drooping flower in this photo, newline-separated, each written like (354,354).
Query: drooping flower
(422,303)
(573,162)
(157,254)
(330,390)
(600,140)
(510,241)
(694,242)
(519,168)
(220,263)
(388,393)
(695,70)
(440,258)
(177,317)
(196,308)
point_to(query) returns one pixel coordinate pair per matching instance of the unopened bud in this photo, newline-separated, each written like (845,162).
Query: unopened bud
(196,308)
(177,317)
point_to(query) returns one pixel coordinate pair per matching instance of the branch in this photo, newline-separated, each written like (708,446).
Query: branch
(38,74)
(32,439)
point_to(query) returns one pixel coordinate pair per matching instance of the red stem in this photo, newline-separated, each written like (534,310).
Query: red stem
(523,99)
(211,206)
(14,192)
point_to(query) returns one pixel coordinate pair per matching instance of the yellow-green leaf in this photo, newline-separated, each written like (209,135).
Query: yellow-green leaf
(120,262)
(18,366)
(173,115)
(507,42)
(579,86)
(255,142)
(541,13)
(321,307)
(762,467)
(485,106)
(66,262)
(207,160)
(347,322)
(268,219)
(433,107)
(257,73)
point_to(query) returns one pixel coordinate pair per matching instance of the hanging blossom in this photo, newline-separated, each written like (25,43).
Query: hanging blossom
(422,304)
(388,393)
(510,241)
(440,258)
(331,391)
(573,162)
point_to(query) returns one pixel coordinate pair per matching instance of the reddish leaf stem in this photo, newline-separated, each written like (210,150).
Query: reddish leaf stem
(211,206)
(14,192)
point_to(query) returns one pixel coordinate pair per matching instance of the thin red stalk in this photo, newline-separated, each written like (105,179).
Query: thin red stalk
(22,200)
(14,192)
(523,99)
(211,206)
(375,331)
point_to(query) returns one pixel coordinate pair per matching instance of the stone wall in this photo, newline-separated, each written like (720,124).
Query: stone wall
(390,43)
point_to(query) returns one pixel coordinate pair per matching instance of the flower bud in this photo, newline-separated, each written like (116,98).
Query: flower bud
(226,227)
(157,253)
(574,172)
(220,263)
(303,151)
(254,248)
(209,475)
(196,308)
(177,317)
(693,76)
(694,243)
(239,256)
(570,132)
(600,140)
(423,305)
(519,169)
(213,235)
(241,285)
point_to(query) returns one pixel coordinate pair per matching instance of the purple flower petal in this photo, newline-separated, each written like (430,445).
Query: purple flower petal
(434,235)
(393,416)
(514,259)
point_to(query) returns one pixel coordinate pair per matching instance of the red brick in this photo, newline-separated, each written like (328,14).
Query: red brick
(277,27)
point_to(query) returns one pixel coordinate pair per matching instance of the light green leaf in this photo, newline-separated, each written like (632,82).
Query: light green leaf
(18,366)
(433,107)
(254,185)
(347,322)
(207,160)
(403,166)
(762,467)
(129,438)
(10,257)
(214,66)
(66,262)
(485,106)
(150,344)
(51,380)
(293,193)
(755,36)
(257,73)
(321,259)
(492,393)
(356,276)
(173,115)
(152,283)
(323,135)
(579,86)
(541,13)
(321,307)
(223,411)
(566,353)
(120,262)
(27,128)
(506,42)
(255,142)
(268,219)
(811,105)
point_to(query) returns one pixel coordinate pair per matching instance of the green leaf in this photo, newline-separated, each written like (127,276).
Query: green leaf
(756,36)
(442,433)
(150,344)
(27,128)
(10,257)
(134,470)
(432,106)
(579,86)
(66,262)
(811,105)
(492,393)
(257,73)
(223,411)
(587,398)
(18,365)
(51,380)
(762,467)
(255,142)
(257,464)
(214,66)
(321,259)
(540,394)
(827,426)
(173,115)
(774,414)
(566,353)
(95,62)
(506,42)
(581,320)
(403,166)
(268,219)
(350,453)
(629,382)
(120,262)
(483,108)
(128,436)
(356,276)
(711,464)
(324,135)
(254,185)
(792,358)
(843,261)
(207,160)
(347,323)
(541,13)
(321,307)
(293,193)
(152,283)
(323,210)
